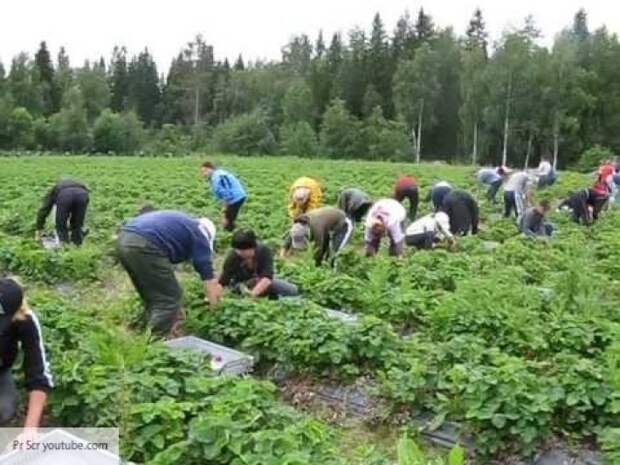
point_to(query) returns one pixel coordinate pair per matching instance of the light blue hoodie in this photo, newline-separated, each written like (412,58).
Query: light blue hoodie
(226,187)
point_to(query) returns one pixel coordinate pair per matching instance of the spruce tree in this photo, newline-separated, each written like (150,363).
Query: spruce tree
(319,47)
(43,63)
(477,36)
(119,82)
(239,64)
(424,27)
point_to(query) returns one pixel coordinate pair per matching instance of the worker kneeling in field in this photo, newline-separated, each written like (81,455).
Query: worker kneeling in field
(228,190)
(149,246)
(385,217)
(19,327)
(492,177)
(71,201)
(517,193)
(437,193)
(406,187)
(328,227)
(304,196)
(533,223)
(430,231)
(249,268)
(463,212)
(355,203)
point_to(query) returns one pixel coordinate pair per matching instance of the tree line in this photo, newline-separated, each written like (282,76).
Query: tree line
(418,92)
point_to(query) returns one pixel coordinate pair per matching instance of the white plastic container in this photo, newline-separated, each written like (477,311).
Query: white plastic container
(223,359)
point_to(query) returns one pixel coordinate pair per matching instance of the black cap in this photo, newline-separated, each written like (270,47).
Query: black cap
(11,298)
(244,239)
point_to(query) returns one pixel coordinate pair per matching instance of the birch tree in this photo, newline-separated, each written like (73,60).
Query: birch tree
(416,89)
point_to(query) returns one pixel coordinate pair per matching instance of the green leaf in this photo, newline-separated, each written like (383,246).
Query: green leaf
(456,456)
(409,453)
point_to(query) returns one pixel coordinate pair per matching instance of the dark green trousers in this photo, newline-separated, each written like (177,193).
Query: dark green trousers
(152,274)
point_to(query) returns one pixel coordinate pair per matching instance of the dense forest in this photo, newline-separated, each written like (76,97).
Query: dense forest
(419,92)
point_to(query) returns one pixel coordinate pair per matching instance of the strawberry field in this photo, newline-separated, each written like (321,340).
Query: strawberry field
(514,340)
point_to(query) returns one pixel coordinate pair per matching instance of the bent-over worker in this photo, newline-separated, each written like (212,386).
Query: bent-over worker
(355,203)
(71,201)
(326,227)
(463,212)
(385,217)
(149,246)
(228,190)
(304,195)
(429,231)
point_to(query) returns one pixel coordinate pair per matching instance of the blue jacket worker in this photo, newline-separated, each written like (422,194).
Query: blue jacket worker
(228,190)
(20,329)
(149,246)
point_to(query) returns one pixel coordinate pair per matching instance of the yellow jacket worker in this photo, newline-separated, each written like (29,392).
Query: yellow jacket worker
(303,196)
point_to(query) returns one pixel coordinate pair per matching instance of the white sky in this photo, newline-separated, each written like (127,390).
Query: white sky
(256,28)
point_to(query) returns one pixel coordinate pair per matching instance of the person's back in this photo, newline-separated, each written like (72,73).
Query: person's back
(324,219)
(517,182)
(463,212)
(389,210)
(354,202)
(226,186)
(174,232)
(488,175)
(544,168)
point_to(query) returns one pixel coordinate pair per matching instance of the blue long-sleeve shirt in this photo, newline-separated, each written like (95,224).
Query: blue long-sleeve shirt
(179,235)
(226,187)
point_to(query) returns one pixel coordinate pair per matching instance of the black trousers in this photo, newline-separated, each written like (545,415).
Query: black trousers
(231,213)
(8,397)
(423,240)
(493,188)
(411,193)
(71,206)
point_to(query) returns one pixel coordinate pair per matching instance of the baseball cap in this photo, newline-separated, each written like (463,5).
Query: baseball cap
(207,227)
(11,298)
(298,236)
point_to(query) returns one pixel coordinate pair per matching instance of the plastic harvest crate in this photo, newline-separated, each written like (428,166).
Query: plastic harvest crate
(346,318)
(223,359)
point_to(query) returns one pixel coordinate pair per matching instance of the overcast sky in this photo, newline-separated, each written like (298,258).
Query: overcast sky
(256,28)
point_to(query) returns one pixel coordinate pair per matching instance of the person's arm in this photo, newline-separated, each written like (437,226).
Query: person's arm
(46,207)
(343,201)
(264,271)
(202,261)
(213,291)
(36,404)
(287,243)
(319,237)
(261,287)
(36,369)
